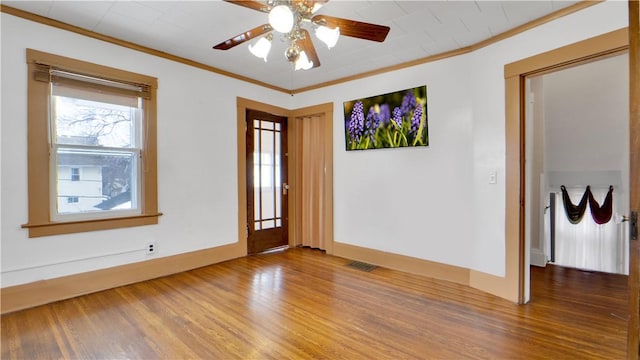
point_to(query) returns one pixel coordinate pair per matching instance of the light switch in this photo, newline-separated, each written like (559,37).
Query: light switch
(493,177)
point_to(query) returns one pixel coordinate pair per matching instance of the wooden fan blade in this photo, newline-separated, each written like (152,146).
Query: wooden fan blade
(245,36)
(252,4)
(307,46)
(353,28)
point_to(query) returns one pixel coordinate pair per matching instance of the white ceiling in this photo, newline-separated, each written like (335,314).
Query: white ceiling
(189,29)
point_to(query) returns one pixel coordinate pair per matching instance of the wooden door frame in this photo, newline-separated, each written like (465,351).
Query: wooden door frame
(609,44)
(633,333)
(326,110)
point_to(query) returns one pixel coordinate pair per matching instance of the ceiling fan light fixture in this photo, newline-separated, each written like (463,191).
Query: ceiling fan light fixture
(292,53)
(316,7)
(295,19)
(281,19)
(262,47)
(303,62)
(328,36)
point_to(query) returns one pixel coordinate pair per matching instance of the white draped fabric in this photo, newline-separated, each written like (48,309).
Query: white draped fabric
(587,245)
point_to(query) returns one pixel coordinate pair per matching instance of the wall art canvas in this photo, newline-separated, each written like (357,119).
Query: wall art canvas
(397,119)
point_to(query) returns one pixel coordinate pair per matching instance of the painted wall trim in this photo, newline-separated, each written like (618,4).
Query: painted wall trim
(403,263)
(538,258)
(611,43)
(468,49)
(42,292)
(494,39)
(147,50)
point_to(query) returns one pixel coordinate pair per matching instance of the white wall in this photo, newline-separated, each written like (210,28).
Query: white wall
(407,201)
(587,117)
(197,175)
(432,203)
(436,203)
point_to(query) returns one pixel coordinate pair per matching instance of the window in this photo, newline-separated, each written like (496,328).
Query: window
(92,135)
(75,174)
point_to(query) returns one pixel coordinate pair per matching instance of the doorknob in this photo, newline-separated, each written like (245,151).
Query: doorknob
(285,188)
(633,226)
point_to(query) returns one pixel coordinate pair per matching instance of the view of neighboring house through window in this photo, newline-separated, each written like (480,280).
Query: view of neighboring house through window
(96,145)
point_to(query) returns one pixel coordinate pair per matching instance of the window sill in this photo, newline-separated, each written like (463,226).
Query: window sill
(71,227)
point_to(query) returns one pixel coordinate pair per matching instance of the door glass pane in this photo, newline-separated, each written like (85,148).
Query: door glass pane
(267,204)
(267,173)
(278,181)
(268,224)
(267,181)
(267,149)
(256,172)
(268,125)
(256,203)
(256,156)
(278,198)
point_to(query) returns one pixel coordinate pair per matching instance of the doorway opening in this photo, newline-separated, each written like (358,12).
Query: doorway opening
(517,249)
(577,136)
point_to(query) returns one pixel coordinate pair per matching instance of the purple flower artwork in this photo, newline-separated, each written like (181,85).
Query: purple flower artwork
(397,119)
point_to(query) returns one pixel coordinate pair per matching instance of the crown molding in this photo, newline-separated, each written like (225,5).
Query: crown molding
(502,36)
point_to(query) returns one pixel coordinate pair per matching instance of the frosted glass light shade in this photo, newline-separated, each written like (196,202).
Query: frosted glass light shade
(261,48)
(303,62)
(281,19)
(328,36)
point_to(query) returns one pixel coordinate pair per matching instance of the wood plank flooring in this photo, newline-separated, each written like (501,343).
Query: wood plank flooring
(303,304)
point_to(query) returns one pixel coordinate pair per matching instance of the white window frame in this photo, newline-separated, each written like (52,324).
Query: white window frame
(135,150)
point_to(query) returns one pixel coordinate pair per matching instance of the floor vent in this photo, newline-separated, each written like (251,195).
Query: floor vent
(361,266)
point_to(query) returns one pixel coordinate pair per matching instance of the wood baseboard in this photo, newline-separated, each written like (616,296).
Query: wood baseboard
(14,298)
(29,295)
(403,263)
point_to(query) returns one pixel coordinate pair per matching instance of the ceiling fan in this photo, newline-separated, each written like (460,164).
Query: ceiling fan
(288,17)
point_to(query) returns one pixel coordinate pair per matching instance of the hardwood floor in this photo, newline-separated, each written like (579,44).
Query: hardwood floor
(302,304)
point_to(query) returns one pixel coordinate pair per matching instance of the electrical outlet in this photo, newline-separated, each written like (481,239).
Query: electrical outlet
(151,248)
